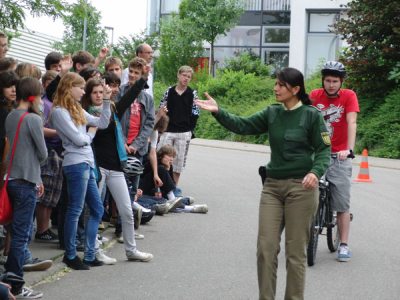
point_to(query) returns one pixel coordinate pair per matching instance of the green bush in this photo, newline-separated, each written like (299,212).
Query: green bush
(248,62)
(239,93)
(379,132)
(159,89)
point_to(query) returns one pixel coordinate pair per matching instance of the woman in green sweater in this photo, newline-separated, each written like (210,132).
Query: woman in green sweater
(300,149)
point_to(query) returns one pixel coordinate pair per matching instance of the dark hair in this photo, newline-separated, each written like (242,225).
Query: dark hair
(83,58)
(111,78)
(90,85)
(6,63)
(89,72)
(7,79)
(293,77)
(28,86)
(140,49)
(51,59)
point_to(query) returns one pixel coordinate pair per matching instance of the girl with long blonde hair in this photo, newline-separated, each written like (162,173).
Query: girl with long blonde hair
(71,120)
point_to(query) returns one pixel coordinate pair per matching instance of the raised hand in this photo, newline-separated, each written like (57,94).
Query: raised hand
(210,104)
(66,64)
(146,71)
(107,91)
(103,53)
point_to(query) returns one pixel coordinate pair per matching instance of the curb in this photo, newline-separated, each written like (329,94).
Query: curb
(58,269)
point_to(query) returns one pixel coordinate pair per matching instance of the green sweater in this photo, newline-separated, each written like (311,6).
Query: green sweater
(298,138)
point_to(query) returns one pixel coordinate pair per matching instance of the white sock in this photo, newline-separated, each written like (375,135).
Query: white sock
(188,208)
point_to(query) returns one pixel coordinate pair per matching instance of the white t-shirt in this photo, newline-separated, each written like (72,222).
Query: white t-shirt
(154,139)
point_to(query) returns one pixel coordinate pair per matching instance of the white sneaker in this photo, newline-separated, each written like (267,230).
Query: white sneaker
(344,254)
(200,208)
(139,236)
(120,239)
(101,256)
(27,293)
(102,239)
(139,256)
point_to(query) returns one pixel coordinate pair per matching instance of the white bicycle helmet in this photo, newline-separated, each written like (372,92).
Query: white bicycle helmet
(333,68)
(133,166)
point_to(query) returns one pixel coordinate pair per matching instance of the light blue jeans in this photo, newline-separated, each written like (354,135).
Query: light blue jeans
(82,187)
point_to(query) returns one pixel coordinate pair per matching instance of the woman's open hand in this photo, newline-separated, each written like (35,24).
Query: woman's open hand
(210,104)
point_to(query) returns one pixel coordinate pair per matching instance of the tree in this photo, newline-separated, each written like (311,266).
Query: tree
(74,24)
(372,30)
(179,46)
(126,47)
(12,13)
(210,18)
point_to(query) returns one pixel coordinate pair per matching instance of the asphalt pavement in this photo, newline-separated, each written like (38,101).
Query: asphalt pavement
(51,251)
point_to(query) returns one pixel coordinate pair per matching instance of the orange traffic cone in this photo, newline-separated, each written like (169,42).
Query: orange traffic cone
(363,175)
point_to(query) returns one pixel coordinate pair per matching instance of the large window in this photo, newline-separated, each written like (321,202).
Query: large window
(276,35)
(221,54)
(276,18)
(276,57)
(322,22)
(240,36)
(322,43)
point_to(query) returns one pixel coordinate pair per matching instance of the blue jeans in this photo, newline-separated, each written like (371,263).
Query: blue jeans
(150,201)
(23,197)
(82,187)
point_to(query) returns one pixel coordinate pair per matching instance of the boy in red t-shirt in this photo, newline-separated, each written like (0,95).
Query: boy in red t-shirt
(339,108)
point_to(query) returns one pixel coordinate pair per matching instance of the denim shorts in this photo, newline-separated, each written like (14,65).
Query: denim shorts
(339,177)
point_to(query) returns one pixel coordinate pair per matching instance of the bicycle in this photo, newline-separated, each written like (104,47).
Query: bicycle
(325,217)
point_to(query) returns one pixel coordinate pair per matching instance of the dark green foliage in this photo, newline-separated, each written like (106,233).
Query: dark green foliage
(179,46)
(96,36)
(126,46)
(12,13)
(372,30)
(240,93)
(248,62)
(210,18)
(379,132)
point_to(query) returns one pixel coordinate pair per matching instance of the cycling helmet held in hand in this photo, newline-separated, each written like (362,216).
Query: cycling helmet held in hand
(333,68)
(133,166)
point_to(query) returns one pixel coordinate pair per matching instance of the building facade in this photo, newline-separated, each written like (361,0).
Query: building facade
(31,47)
(282,33)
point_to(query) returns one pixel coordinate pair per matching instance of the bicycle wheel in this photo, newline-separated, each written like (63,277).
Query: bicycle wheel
(313,242)
(332,233)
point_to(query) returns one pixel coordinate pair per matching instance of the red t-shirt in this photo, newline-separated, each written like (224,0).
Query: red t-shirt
(334,111)
(134,122)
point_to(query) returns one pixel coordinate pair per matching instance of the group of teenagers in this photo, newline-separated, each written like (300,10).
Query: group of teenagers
(100,126)
(90,142)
